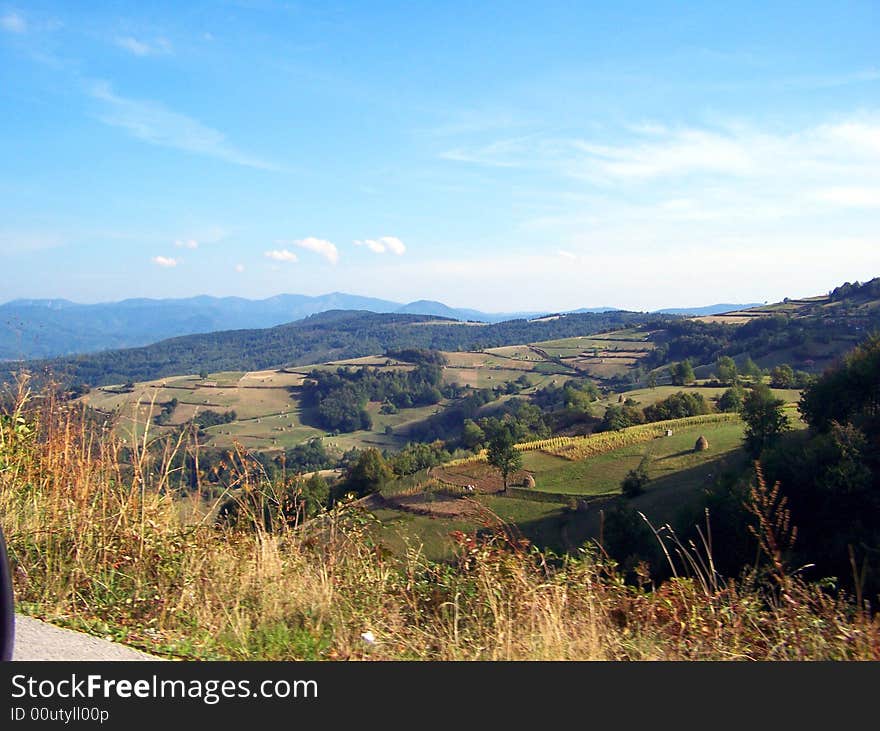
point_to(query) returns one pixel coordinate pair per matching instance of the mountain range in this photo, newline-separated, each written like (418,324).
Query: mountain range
(47,328)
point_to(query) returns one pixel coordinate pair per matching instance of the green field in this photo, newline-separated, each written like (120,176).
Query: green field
(603,474)
(400,532)
(649,396)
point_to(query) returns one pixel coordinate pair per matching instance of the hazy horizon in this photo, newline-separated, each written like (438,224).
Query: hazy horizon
(464,306)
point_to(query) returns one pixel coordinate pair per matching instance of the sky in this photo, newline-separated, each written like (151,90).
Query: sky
(505,156)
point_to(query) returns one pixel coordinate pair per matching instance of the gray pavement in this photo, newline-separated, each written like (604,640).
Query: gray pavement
(38,640)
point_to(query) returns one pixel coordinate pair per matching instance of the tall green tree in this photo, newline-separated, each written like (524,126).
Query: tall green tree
(750,368)
(369,473)
(682,373)
(314,494)
(765,422)
(782,376)
(503,455)
(725,370)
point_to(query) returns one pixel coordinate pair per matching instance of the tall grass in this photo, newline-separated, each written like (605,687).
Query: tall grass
(98,540)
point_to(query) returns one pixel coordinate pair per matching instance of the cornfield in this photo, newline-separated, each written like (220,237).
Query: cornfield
(590,446)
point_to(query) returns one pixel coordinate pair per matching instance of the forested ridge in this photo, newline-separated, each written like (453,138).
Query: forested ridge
(333,335)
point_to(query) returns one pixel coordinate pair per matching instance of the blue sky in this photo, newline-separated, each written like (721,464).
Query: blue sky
(505,156)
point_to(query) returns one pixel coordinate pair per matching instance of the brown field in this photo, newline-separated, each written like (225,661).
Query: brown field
(435,505)
(481,475)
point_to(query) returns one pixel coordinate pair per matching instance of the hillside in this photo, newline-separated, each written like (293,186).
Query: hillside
(328,336)
(48,328)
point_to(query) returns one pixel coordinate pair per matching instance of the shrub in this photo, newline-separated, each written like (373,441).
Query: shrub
(635,481)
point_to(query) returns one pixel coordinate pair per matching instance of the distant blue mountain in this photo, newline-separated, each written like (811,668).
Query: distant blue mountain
(34,328)
(438,309)
(707,310)
(598,310)
(46,328)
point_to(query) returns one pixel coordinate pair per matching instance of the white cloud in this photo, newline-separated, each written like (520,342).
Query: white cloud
(322,247)
(382,244)
(13,22)
(376,247)
(186,244)
(160,46)
(566,255)
(281,255)
(851,197)
(394,244)
(155,124)
(734,152)
(860,135)
(165,261)
(239,268)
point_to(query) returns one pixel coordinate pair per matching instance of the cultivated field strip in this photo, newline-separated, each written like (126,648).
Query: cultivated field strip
(583,447)
(578,448)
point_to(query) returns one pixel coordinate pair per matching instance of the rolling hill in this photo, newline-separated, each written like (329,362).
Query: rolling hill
(332,335)
(48,328)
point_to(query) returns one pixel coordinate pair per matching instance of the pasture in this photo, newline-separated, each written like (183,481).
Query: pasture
(603,473)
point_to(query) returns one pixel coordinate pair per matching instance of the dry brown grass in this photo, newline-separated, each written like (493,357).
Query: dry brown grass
(97,542)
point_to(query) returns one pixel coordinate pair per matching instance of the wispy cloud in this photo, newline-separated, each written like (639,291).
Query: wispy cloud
(17,242)
(12,22)
(851,197)
(165,262)
(186,244)
(655,152)
(321,247)
(383,244)
(281,255)
(155,124)
(239,268)
(159,47)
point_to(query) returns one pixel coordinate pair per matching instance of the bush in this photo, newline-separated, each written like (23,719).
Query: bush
(635,481)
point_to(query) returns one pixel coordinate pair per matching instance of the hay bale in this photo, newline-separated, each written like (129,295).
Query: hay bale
(702,444)
(528,481)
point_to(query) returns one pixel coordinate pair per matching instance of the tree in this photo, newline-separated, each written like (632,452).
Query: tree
(620,416)
(732,399)
(750,368)
(314,494)
(369,473)
(503,455)
(847,392)
(682,373)
(725,370)
(677,406)
(764,419)
(472,435)
(782,377)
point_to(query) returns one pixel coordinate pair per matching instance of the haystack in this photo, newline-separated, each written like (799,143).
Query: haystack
(702,444)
